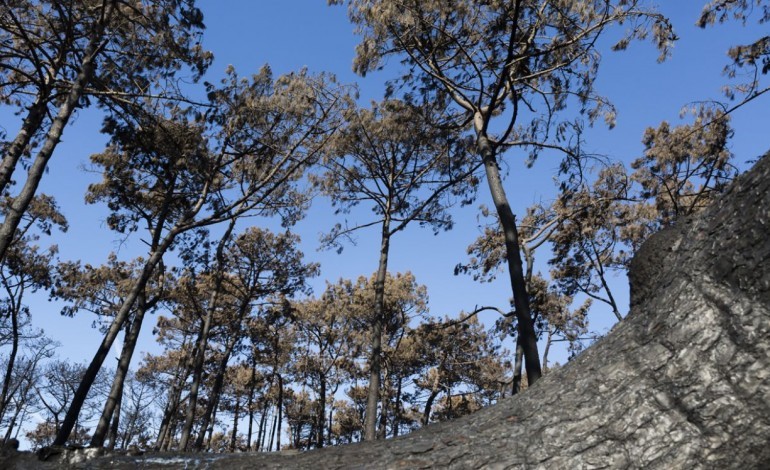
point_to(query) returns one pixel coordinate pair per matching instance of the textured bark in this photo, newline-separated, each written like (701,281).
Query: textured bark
(682,382)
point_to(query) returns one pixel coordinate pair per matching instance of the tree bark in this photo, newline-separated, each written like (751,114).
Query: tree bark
(526,327)
(375,358)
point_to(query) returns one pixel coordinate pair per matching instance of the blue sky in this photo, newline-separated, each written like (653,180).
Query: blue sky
(290,34)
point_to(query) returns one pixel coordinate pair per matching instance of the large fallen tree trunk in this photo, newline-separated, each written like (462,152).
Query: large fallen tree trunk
(681,383)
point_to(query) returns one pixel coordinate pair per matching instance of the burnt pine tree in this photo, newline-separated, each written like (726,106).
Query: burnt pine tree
(504,69)
(391,159)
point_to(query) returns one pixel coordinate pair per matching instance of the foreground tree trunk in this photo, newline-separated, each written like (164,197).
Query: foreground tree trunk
(527,338)
(682,382)
(375,359)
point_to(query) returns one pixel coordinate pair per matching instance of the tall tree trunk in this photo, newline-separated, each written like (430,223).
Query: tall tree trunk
(263,424)
(114,429)
(5,398)
(234,435)
(252,387)
(13,423)
(197,373)
(547,349)
(526,327)
(211,430)
(116,391)
(109,338)
(201,350)
(35,173)
(375,359)
(517,366)
(321,417)
(382,427)
(235,338)
(280,413)
(272,433)
(397,412)
(428,405)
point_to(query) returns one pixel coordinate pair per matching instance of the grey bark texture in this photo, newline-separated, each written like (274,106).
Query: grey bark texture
(682,382)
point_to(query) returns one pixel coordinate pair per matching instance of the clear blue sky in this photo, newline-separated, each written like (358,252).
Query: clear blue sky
(290,34)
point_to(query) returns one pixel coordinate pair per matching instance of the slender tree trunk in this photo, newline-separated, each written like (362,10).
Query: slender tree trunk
(375,360)
(109,338)
(428,406)
(397,412)
(517,366)
(272,433)
(35,173)
(201,350)
(261,428)
(280,412)
(211,430)
(252,386)
(234,435)
(4,398)
(384,406)
(547,349)
(526,327)
(12,423)
(118,382)
(114,429)
(321,418)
